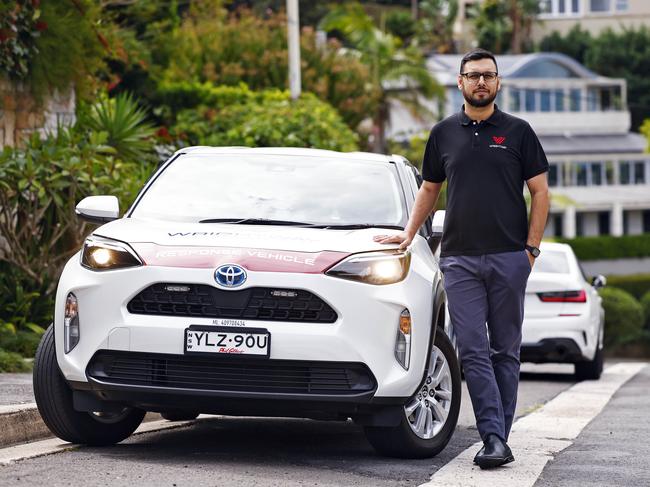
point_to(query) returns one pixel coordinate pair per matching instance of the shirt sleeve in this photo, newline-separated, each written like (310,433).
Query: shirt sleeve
(533,159)
(433,169)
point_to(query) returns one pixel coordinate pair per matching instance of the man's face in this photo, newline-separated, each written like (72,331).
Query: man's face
(481,92)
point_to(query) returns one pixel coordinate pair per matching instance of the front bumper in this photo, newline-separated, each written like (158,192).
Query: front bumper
(364,332)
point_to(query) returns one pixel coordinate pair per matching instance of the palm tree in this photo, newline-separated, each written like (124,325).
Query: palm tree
(397,72)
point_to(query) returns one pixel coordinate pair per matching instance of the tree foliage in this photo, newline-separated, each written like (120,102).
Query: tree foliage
(504,25)
(574,44)
(52,44)
(436,23)
(395,73)
(623,54)
(226,116)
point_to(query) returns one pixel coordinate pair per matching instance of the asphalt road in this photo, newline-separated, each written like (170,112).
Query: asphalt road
(264,452)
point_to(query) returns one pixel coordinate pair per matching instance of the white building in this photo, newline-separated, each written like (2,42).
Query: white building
(600,171)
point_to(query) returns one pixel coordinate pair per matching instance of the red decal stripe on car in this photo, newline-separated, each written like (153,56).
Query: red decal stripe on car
(264,260)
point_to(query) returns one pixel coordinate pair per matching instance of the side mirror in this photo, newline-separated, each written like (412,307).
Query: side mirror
(98,209)
(436,226)
(599,281)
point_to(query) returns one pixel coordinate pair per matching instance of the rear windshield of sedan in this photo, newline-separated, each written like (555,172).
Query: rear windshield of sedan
(552,261)
(320,190)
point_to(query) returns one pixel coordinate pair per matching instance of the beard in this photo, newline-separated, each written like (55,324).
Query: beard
(479,102)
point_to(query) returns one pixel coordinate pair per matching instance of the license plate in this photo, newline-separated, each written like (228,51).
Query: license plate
(226,340)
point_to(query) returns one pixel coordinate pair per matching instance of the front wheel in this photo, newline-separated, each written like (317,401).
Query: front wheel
(430,416)
(54,402)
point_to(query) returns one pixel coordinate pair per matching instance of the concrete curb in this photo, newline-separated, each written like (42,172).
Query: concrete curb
(22,423)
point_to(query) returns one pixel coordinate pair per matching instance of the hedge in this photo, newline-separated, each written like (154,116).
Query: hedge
(236,116)
(636,284)
(623,317)
(608,247)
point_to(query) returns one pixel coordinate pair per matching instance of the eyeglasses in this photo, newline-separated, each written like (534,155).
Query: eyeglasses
(474,76)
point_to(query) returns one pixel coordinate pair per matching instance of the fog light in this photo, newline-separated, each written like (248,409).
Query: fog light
(71,323)
(403,340)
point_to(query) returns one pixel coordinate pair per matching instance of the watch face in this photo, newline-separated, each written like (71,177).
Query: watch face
(534,251)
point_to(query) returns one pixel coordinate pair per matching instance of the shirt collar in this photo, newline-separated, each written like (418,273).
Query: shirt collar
(493,120)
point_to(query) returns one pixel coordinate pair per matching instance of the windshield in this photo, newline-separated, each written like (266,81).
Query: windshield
(552,261)
(318,190)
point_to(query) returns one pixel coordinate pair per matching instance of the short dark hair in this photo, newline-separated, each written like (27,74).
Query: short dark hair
(475,55)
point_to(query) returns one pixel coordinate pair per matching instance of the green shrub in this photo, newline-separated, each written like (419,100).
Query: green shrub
(264,119)
(240,47)
(645,304)
(24,343)
(623,317)
(12,362)
(636,284)
(608,247)
(40,186)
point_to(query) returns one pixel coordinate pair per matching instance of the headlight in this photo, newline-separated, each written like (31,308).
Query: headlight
(386,267)
(101,253)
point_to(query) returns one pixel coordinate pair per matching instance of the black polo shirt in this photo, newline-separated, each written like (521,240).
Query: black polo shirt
(485,165)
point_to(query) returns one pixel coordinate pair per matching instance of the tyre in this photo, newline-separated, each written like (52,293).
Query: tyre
(179,415)
(430,416)
(591,369)
(54,401)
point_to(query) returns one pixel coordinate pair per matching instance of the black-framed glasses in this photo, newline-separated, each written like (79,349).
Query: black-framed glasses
(475,76)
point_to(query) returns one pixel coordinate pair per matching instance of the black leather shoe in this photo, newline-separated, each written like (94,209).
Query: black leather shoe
(478,454)
(496,453)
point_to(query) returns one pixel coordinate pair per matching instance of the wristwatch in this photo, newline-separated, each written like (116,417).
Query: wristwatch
(534,251)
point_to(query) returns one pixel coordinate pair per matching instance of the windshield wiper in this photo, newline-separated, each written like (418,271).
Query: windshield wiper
(255,221)
(356,226)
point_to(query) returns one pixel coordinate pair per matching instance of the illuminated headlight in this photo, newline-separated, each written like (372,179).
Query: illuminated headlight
(101,253)
(374,267)
(403,339)
(71,323)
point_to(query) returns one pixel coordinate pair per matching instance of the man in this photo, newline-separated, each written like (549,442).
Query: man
(488,247)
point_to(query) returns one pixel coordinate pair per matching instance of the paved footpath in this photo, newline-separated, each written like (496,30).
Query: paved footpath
(557,430)
(614,449)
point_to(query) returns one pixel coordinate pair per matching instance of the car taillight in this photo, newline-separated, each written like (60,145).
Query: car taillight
(564,297)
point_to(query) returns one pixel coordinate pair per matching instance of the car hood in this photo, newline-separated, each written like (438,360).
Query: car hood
(132,230)
(257,247)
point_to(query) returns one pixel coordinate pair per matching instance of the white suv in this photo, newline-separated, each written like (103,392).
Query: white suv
(246,282)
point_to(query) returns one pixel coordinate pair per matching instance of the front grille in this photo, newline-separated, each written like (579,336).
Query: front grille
(233,374)
(257,303)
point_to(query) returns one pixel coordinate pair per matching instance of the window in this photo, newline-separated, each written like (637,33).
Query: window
(531,104)
(622,5)
(609,172)
(632,172)
(603,222)
(596,174)
(581,174)
(553,172)
(624,173)
(545,69)
(559,7)
(580,224)
(559,100)
(646,221)
(515,100)
(593,97)
(599,5)
(639,172)
(545,100)
(574,100)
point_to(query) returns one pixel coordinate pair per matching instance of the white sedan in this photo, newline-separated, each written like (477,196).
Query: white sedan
(247,282)
(563,315)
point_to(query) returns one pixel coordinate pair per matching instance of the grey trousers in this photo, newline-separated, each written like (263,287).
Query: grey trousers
(488,289)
